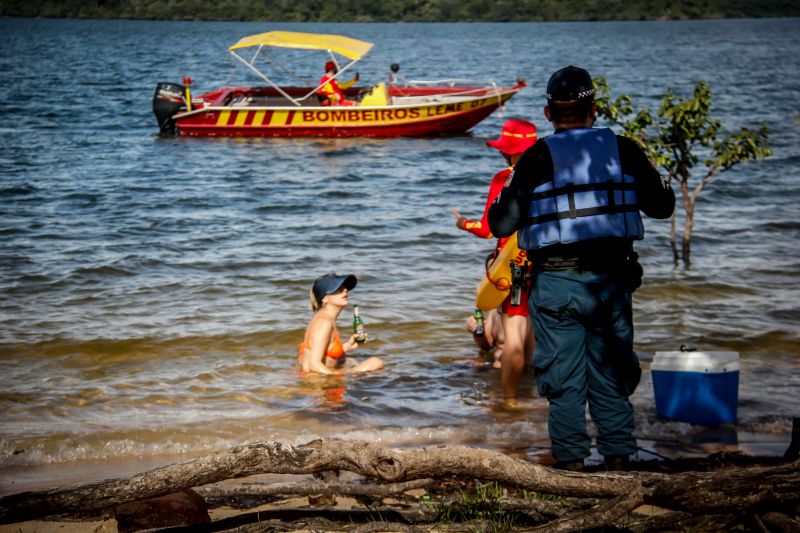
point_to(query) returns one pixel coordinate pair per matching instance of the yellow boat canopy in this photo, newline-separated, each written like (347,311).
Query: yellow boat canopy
(346,46)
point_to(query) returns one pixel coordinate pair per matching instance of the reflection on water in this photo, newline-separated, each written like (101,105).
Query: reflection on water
(153,291)
(326,392)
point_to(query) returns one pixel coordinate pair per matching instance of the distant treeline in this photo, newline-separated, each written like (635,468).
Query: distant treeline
(401,10)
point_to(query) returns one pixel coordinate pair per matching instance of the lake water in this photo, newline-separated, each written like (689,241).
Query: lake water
(153,291)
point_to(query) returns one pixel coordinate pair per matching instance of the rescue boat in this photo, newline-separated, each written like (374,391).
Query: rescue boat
(397,108)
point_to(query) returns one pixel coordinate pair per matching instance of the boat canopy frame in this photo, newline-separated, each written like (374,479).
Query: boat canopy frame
(352,49)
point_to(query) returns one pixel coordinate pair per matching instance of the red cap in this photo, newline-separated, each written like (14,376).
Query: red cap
(516,137)
(330,65)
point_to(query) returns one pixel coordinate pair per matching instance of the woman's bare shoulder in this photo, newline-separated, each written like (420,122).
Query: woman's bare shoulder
(321,321)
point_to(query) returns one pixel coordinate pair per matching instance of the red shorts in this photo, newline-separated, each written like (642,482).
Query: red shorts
(522,309)
(517,310)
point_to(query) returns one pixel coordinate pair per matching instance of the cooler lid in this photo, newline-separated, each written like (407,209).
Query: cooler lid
(696,361)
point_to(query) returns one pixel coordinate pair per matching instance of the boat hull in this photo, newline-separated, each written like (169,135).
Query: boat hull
(449,115)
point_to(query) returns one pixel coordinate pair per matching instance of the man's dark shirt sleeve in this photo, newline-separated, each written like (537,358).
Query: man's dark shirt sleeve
(655,196)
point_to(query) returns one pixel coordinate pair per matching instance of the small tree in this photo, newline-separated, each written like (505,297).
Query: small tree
(682,135)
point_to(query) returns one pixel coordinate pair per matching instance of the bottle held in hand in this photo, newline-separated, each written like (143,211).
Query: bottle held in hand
(479,327)
(358,325)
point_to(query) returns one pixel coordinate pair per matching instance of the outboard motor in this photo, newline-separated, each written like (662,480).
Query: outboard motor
(167,101)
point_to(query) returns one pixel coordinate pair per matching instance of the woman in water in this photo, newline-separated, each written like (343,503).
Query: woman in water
(322,350)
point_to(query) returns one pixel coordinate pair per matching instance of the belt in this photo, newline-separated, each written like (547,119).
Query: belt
(582,263)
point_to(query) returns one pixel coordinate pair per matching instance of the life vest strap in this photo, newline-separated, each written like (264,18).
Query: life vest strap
(571,188)
(587,212)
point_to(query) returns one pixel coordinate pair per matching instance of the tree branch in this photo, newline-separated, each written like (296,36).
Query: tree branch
(305,489)
(367,459)
(713,171)
(605,513)
(699,493)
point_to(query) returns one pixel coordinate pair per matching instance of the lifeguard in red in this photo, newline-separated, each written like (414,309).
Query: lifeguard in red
(515,137)
(330,89)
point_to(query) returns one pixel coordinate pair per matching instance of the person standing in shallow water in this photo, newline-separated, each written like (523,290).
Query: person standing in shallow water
(322,350)
(574,198)
(515,137)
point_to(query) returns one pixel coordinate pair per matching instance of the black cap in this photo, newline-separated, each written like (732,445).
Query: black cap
(569,83)
(330,283)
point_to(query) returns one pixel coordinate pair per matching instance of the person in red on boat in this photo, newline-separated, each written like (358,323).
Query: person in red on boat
(322,350)
(330,89)
(516,137)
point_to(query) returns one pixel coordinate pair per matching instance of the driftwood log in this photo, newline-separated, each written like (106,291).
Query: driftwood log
(305,489)
(768,491)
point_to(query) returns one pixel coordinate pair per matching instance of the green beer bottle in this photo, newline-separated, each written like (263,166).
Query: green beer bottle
(358,325)
(479,327)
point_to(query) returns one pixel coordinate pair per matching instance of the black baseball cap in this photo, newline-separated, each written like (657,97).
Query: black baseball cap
(569,83)
(330,283)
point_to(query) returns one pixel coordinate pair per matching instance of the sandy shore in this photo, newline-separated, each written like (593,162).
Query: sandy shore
(39,526)
(110,525)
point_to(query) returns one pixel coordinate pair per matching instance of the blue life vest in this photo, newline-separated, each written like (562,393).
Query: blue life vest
(589,197)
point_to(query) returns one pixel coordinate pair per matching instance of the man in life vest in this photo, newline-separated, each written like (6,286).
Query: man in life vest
(515,137)
(330,89)
(575,198)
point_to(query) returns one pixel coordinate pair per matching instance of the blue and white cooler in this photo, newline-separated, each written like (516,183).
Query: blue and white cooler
(696,387)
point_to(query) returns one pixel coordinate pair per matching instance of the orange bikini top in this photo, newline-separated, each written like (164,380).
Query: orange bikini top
(335,348)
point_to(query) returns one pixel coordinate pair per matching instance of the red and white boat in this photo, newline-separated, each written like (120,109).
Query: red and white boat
(398,108)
